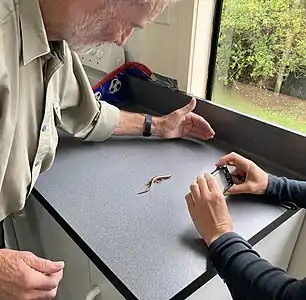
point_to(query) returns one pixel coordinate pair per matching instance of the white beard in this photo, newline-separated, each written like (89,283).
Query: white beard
(82,50)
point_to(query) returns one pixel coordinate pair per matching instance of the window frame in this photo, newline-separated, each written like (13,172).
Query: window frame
(214,49)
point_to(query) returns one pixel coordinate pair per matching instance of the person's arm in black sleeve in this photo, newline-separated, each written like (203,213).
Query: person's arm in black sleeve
(249,277)
(281,189)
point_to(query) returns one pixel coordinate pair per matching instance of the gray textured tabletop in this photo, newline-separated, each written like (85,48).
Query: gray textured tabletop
(148,241)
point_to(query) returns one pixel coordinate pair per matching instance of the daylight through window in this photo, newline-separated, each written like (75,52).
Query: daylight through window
(261,60)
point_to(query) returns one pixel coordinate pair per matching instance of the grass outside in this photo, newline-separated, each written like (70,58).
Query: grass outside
(267,106)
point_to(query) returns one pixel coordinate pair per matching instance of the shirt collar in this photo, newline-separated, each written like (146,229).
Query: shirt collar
(33,34)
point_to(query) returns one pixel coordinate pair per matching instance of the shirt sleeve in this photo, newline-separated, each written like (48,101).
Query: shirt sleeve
(281,189)
(80,113)
(249,277)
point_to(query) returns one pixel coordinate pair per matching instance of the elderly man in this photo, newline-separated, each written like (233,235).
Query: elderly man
(43,86)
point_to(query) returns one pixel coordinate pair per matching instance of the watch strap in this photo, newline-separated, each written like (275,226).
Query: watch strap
(147,125)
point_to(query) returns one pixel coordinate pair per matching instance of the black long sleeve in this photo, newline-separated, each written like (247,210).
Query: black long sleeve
(249,277)
(281,189)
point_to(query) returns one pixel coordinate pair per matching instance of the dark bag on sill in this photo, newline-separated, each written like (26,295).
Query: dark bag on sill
(114,90)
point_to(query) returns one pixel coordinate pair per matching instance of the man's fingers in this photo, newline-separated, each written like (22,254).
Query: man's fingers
(47,295)
(201,125)
(212,184)
(43,282)
(201,135)
(44,265)
(202,128)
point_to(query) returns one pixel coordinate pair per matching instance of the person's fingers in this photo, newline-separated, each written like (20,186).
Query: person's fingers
(195,191)
(211,183)
(243,188)
(227,159)
(202,184)
(237,179)
(190,202)
(233,159)
(44,265)
(44,282)
(236,171)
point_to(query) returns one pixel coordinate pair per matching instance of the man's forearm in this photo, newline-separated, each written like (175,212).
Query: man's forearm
(283,189)
(133,124)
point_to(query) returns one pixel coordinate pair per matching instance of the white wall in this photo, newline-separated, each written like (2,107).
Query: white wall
(177,44)
(165,45)
(203,26)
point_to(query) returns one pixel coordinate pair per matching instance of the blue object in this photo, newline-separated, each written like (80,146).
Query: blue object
(112,88)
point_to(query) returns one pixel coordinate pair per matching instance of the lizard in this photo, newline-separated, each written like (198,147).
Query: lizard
(155,179)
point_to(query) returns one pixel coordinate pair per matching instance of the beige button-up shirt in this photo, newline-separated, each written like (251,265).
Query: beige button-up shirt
(42,86)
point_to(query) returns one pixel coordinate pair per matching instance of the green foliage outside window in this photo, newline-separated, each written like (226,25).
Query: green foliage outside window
(262,41)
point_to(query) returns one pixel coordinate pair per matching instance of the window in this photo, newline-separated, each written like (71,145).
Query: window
(261,60)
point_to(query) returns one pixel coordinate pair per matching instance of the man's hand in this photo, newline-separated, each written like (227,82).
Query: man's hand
(184,123)
(255,179)
(180,123)
(26,276)
(208,209)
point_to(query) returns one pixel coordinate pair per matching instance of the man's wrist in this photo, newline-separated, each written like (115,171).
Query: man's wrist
(134,124)
(156,126)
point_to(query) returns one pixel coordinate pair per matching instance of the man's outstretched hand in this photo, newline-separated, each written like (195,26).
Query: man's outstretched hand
(184,123)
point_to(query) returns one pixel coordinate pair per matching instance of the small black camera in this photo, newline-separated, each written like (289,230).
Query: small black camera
(223,178)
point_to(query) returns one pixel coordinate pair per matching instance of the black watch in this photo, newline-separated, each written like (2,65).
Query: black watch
(147,125)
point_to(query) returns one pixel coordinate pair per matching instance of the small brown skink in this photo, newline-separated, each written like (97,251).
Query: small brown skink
(155,179)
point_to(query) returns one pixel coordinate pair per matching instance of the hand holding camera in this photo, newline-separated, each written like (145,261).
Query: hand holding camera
(206,202)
